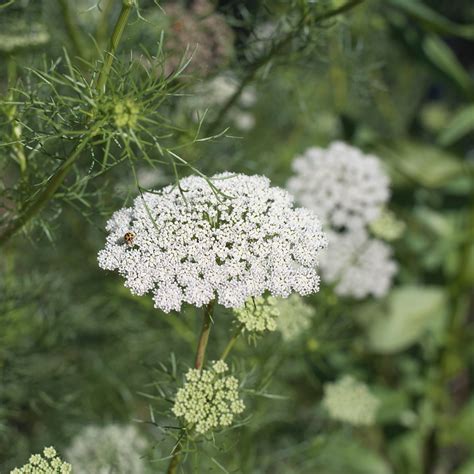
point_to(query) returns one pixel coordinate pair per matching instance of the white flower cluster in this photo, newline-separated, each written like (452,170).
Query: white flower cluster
(350,401)
(216,92)
(209,399)
(349,190)
(47,463)
(359,266)
(343,186)
(106,449)
(231,241)
(258,314)
(294,318)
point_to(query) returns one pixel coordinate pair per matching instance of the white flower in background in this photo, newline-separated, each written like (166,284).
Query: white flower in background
(350,401)
(235,240)
(358,265)
(108,449)
(213,94)
(209,399)
(244,121)
(22,36)
(258,314)
(346,188)
(294,317)
(147,177)
(48,463)
(263,38)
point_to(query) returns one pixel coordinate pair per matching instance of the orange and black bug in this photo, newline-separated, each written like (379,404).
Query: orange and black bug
(129,237)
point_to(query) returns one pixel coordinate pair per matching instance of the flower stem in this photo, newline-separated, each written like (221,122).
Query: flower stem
(53,184)
(127,6)
(198,364)
(102,26)
(72,29)
(174,463)
(232,342)
(204,336)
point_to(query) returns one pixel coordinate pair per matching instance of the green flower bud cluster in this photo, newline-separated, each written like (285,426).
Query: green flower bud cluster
(386,226)
(46,463)
(126,114)
(209,399)
(295,316)
(258,314)
(350,401)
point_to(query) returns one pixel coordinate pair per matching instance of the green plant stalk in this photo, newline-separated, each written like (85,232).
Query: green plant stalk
(198,364)
(203,339)
(72,29)
(204,336)
(51,188)
(232,342)
(102,27)
(18,149)
(175,460)
(60,174)
(127,6)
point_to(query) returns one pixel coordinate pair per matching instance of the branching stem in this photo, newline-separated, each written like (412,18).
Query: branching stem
(61,172)
(174,463)
(72,29)
(198,364)
(53,184)
(266,58)
(232,342)
(127,6)
(204,336)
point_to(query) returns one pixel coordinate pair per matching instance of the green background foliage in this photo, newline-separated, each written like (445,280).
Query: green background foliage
(392,77)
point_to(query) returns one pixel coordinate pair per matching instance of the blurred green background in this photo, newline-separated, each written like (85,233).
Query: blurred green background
(392,77)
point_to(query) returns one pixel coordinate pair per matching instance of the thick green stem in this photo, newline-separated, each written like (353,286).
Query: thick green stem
(174,463)
(127,6)
(51,188)
(72,29)
(200,353)
(232,342)
(103,23)
(198,364)
(204,336)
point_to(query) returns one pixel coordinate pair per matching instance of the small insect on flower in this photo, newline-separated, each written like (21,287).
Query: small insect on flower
(129,237)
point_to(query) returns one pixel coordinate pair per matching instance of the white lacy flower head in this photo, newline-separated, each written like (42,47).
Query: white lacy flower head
(195,244)
(358,265)
(106,449)
(342,185)
(48,463)
(209,399)
(294,318)
(350,401)
(258,314)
